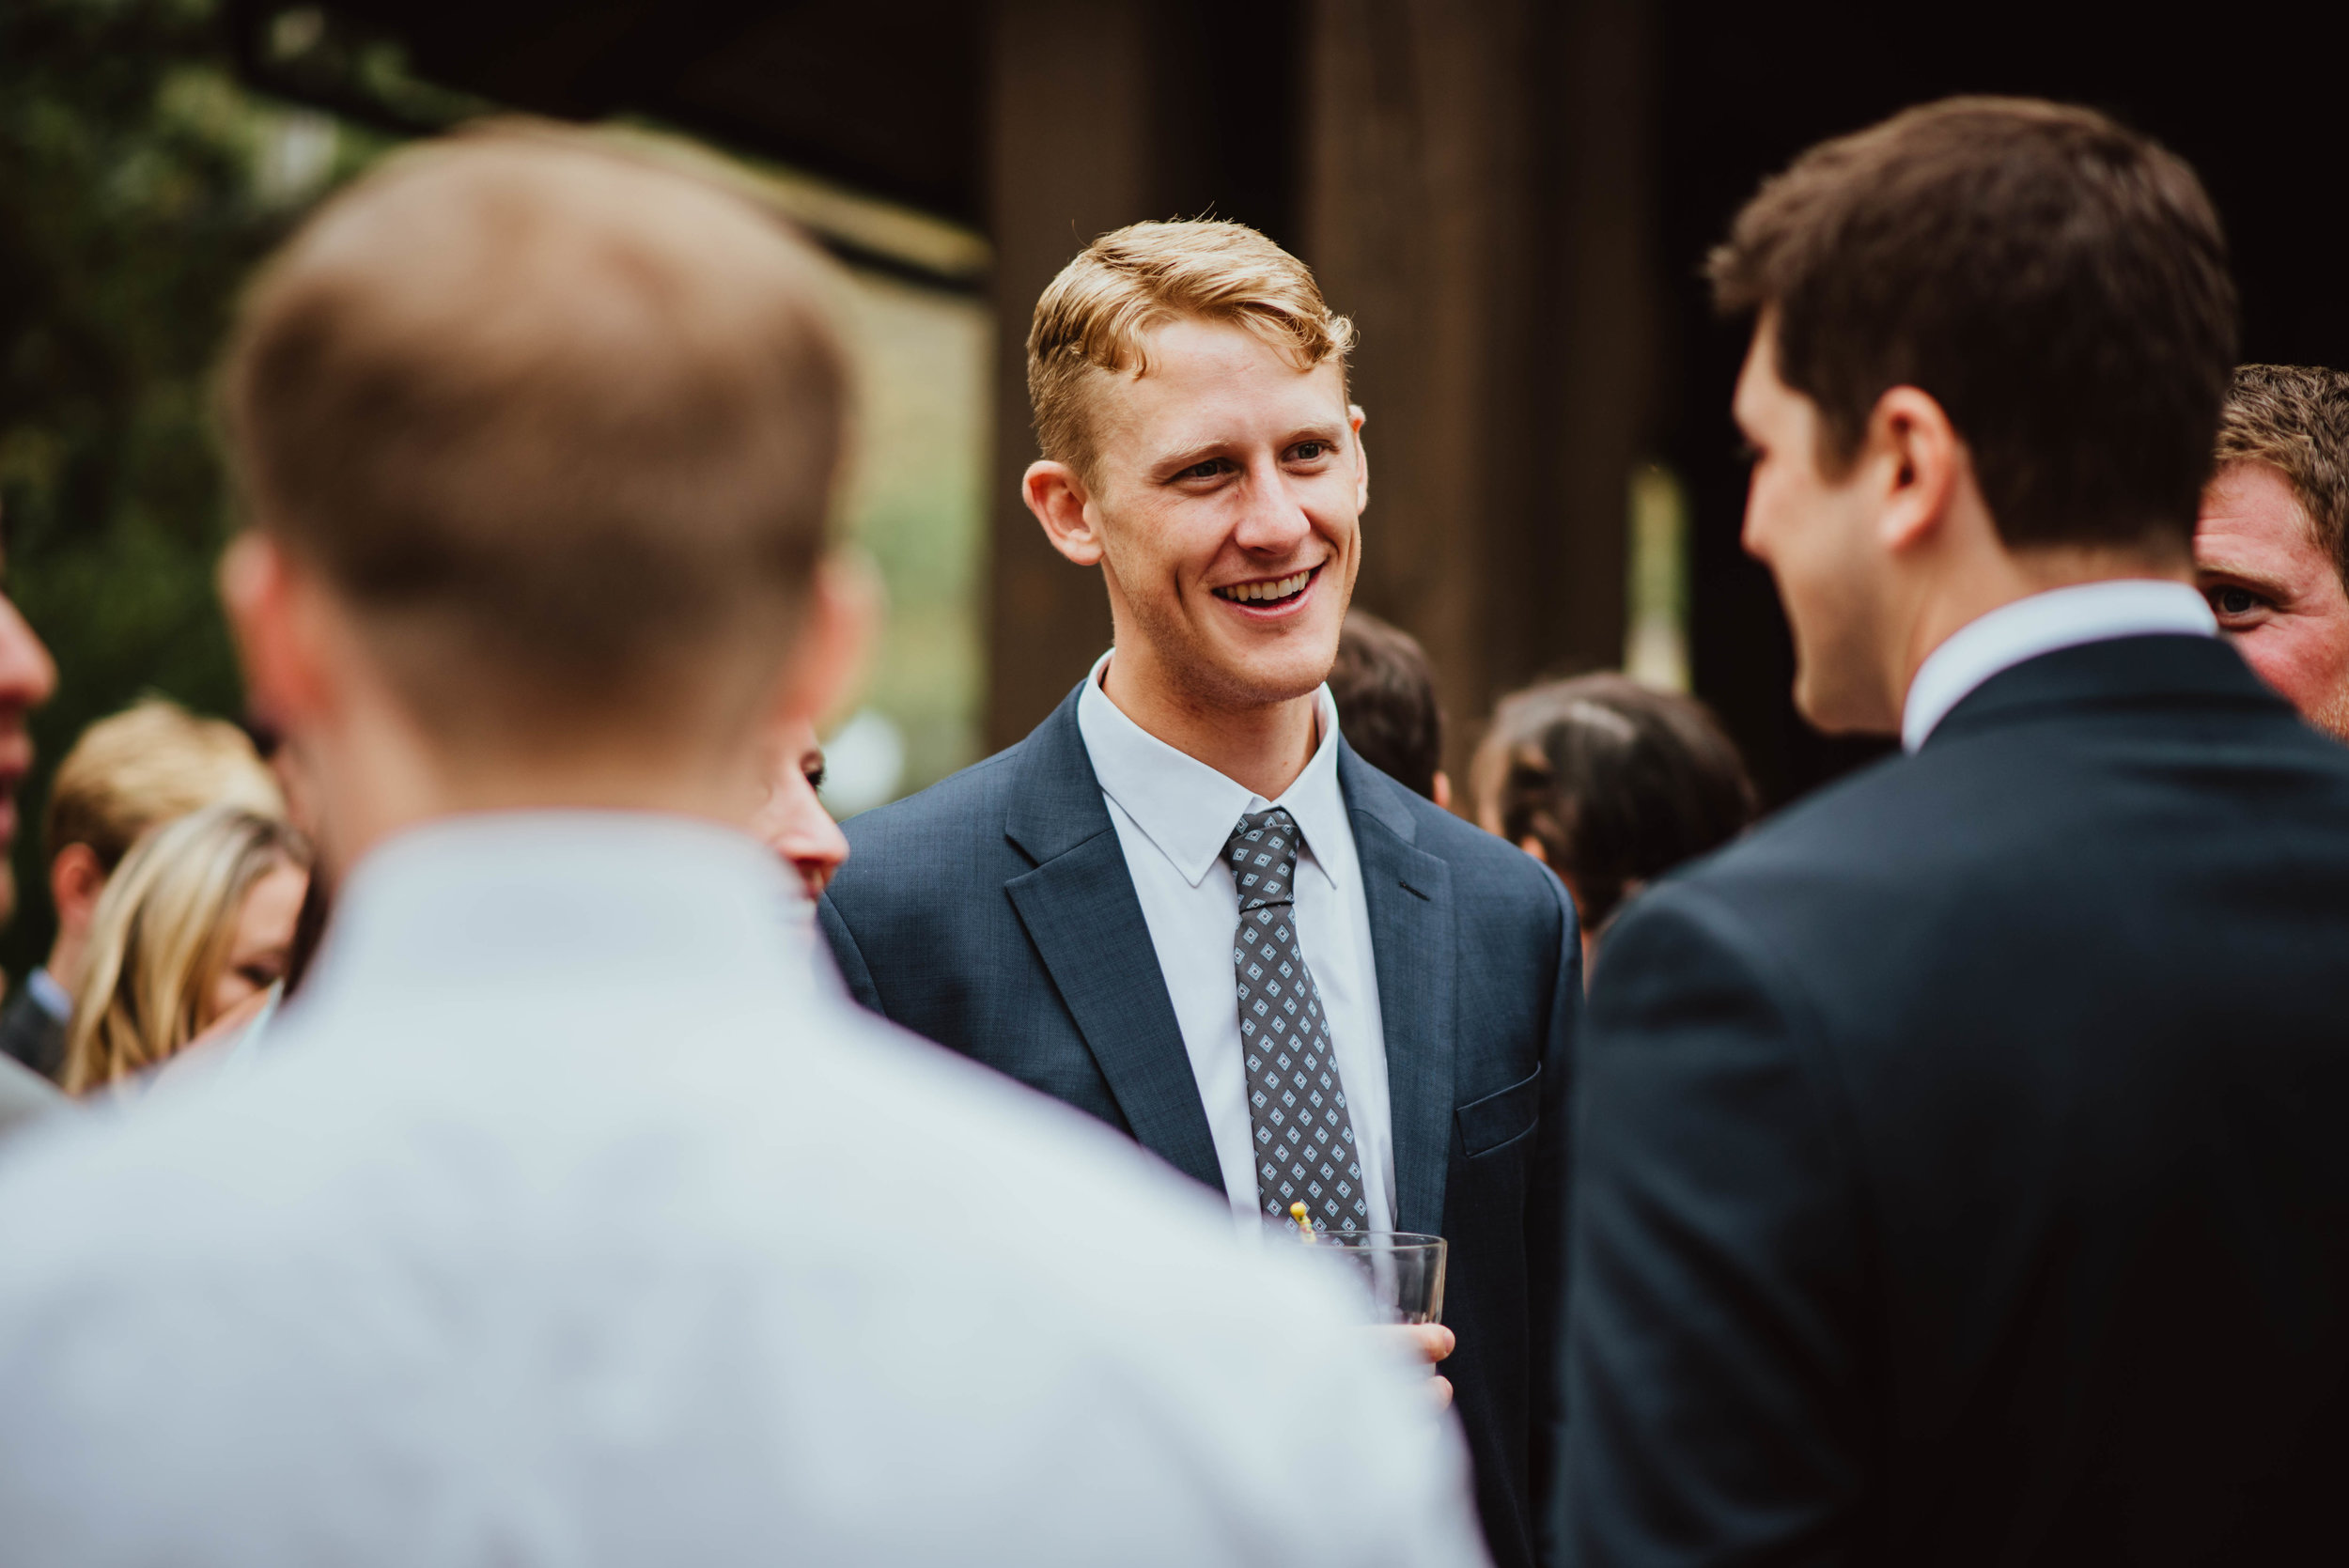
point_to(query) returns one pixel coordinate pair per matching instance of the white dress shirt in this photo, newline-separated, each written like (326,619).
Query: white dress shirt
(2059,618)
(575,1217)
(1174,815)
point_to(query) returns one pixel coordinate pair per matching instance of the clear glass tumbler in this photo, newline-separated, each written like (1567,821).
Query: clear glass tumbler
(1403,1270)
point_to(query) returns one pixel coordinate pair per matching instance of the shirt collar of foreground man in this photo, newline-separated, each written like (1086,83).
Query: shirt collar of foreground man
(573,1215)
(2059,618)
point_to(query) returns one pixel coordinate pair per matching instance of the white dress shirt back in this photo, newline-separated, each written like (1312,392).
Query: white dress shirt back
(575,1217)
(1174,815)
(2059,618)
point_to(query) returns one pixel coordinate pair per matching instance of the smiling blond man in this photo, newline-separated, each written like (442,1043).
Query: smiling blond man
(1183,905)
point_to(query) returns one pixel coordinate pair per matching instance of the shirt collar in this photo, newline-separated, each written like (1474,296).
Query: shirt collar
(1188,809)
(567,902)
(2059,618)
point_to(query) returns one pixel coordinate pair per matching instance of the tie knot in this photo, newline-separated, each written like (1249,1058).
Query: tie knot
(1261,852)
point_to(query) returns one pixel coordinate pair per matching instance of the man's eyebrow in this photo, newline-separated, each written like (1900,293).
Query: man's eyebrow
(1183,456)
(2220,564)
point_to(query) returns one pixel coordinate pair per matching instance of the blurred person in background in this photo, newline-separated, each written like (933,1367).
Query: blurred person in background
(128,773)
(27,678)
(1386,698)
(1610,784)
(792,820)
(196,923)
(2271,546)
(574,1215)
(1960,1175)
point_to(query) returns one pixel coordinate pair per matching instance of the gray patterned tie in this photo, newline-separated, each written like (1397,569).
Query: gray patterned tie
(1296,1101)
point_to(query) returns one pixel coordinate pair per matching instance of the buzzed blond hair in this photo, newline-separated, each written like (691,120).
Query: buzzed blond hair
(1092,321)
(145,766)
(559,419)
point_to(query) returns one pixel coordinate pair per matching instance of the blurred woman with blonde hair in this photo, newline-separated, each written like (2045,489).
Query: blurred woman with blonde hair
(198,920)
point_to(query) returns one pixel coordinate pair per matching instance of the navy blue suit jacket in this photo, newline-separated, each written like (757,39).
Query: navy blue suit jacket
(1963,1175)
(993,913)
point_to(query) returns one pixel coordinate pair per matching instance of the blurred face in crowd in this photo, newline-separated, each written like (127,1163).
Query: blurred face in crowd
(2276,590)
(1223,504)
(1819,536)
(793,821)
(265,928)
(27,678)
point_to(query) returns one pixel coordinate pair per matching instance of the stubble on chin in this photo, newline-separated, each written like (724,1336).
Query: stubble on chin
(2332,717)
(1206,683)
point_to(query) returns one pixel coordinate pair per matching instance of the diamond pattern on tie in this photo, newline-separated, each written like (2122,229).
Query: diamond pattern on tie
(1296,1109)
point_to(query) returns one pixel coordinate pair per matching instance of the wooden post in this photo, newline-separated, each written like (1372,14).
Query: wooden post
(1476,196)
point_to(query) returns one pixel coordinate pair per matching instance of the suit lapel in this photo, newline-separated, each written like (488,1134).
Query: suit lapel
(1080,909)
(1409,894)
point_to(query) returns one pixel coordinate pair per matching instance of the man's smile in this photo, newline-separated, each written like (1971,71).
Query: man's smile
(1269,592)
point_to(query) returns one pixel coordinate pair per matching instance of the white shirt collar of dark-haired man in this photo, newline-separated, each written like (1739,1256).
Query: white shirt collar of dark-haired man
(1062,911)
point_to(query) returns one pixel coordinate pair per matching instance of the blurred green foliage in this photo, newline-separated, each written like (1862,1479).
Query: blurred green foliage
(138,184)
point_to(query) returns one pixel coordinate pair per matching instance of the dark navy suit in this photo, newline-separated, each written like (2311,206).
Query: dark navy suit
(994,914)
(1964,1169)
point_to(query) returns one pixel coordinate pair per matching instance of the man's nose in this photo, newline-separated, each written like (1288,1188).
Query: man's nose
(27,673)
(1272,522)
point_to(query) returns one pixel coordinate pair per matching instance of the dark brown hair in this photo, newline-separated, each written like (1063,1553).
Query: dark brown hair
(2295,419)
(1386,697)
(1617,781)
(2057,282)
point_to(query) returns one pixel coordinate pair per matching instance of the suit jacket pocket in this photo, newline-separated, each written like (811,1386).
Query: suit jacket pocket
(1487,1124)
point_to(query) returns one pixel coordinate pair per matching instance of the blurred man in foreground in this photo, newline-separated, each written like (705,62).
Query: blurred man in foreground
(152,763)
(579,1218)
(1962,1177)
(2271,548)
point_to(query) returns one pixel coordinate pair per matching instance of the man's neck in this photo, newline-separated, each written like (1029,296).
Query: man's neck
(1262,746)
(2013,578)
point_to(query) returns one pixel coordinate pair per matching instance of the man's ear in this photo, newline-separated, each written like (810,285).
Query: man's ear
(1056,493)
(75,880)
(273,609)
(1922,461)
(1356,419)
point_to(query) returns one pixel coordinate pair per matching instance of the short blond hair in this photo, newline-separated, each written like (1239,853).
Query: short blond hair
(163,933)
(1092,319)
(559,418)
(148,764)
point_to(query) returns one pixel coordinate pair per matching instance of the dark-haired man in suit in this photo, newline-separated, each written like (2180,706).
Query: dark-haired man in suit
(1962,1177)
(1183,904)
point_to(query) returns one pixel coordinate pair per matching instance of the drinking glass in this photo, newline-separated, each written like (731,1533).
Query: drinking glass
(1402,1270)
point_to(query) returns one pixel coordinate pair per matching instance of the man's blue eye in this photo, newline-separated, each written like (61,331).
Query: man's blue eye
(2236,601)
